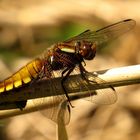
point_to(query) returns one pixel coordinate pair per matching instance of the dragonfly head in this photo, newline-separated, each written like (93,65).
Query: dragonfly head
(87,50)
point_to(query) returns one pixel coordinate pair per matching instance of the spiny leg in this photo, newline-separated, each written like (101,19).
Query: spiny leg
(21,104)
(68,70)
(83,71)
(43,73)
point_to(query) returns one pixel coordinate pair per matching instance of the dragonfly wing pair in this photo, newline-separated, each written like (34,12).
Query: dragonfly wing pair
(105,34)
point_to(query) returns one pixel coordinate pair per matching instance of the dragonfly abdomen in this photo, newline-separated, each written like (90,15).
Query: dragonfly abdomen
(25,75)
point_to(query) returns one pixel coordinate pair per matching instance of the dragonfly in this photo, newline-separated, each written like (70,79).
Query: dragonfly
(66,57)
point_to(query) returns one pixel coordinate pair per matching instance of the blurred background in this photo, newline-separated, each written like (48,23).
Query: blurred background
(27,27)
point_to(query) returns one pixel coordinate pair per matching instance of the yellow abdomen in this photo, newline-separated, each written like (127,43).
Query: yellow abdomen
(23,76)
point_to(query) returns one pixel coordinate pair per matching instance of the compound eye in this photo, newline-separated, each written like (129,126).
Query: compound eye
(87,51)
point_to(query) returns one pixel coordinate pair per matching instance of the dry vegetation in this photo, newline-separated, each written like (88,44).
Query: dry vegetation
(27,27)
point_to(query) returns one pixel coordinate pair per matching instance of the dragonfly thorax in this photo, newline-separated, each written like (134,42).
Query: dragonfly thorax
(60,59)
(86,49)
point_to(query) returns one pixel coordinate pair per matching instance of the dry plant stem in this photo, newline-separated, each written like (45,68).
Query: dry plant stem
(116,77)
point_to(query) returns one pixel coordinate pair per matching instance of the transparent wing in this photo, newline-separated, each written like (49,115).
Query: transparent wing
(55,102)
(62,133)
(52,112)
(107,33)
(54,109)
(101,96)
(86,89)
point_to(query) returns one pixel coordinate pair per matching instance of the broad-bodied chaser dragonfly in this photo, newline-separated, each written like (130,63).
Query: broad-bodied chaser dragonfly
(65,57)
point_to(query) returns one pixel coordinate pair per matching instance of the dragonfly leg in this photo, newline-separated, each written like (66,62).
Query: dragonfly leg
(39,76)
(68,70)
(21,104)
(42,74)
(83,71)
